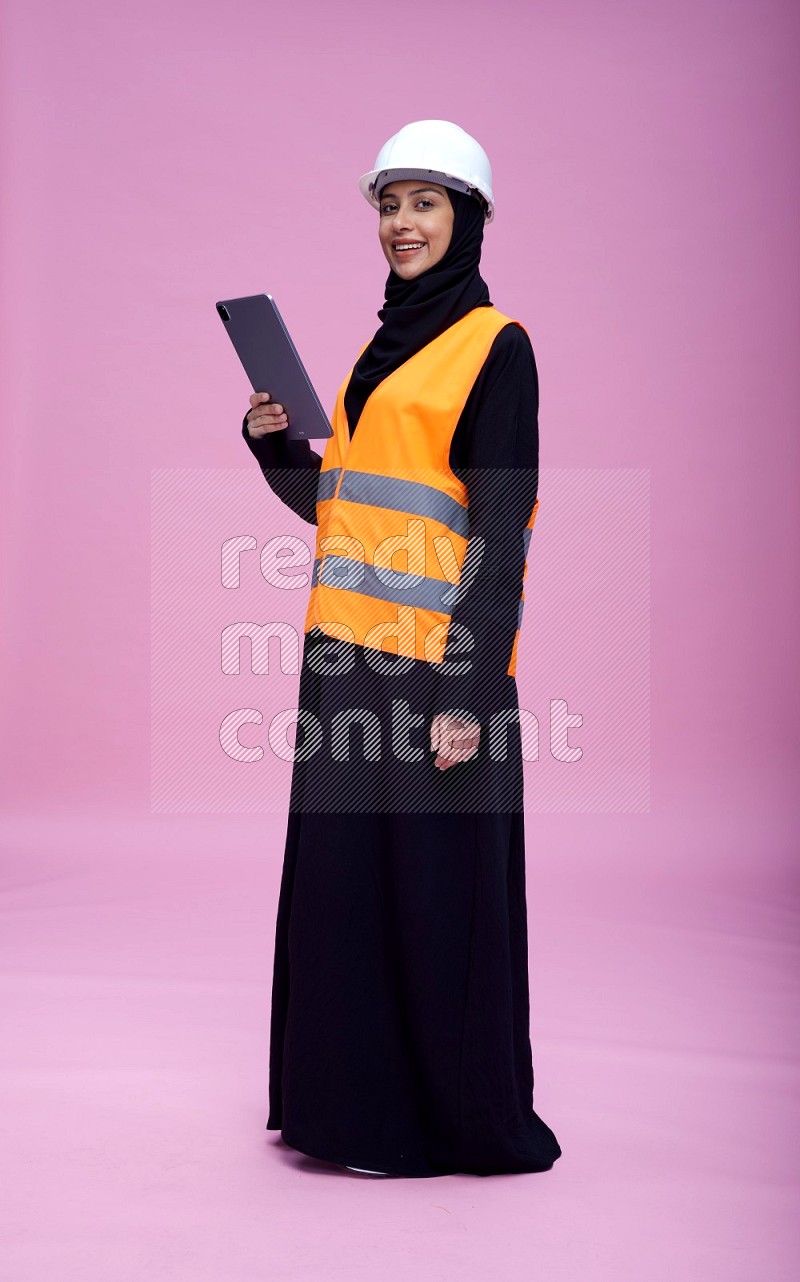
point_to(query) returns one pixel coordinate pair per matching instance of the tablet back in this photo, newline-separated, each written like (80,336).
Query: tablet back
(270,360)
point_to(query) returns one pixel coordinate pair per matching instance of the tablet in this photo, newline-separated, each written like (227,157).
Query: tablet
(270,360)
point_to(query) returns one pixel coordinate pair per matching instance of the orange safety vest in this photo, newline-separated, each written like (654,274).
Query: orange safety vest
(390,491)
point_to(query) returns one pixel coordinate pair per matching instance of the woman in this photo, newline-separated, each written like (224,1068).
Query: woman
(400,1004)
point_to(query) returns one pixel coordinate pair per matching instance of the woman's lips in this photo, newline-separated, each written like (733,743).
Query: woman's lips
(408,253)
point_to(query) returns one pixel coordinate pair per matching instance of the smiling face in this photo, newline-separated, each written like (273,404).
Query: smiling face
(419,214)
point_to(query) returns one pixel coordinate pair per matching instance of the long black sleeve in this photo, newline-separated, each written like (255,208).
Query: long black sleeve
(495,451)
(291,469)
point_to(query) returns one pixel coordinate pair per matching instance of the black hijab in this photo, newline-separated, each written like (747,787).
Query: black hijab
(416,311)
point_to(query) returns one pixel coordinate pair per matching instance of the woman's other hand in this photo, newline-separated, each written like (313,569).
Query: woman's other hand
(453,740)
(264,418)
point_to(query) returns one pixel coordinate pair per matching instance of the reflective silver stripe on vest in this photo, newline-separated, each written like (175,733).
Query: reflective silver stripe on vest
(526,538)
(356,576)
(405,496)
(387,585)
(326,485)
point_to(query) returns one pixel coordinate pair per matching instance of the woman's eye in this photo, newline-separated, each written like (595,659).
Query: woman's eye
(389,208)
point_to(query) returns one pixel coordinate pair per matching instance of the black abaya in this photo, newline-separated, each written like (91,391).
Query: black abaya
(400,1003)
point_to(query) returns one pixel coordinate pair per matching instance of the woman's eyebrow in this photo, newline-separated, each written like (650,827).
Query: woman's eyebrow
(415,192)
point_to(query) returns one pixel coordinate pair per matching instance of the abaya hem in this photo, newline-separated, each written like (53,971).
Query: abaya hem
(311,1149)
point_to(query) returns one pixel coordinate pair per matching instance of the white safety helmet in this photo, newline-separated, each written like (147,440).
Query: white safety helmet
(434,149)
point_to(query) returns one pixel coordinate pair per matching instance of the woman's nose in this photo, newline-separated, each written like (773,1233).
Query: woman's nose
(401,221)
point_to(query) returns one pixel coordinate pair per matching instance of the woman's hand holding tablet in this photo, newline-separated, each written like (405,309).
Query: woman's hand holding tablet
(265,418)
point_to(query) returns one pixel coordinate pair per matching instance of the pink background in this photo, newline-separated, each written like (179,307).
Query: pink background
(158,157)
